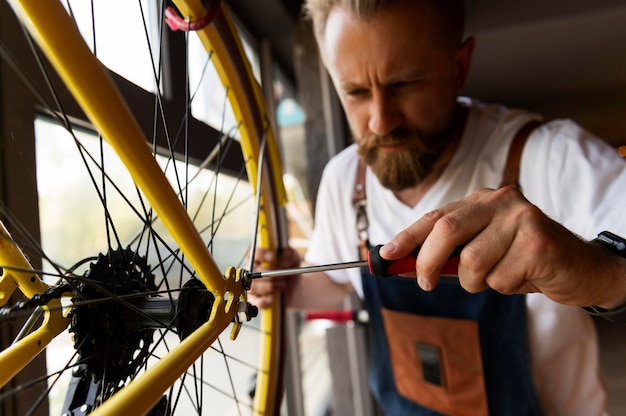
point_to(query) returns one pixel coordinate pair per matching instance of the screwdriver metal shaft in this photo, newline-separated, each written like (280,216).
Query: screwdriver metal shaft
(308,269)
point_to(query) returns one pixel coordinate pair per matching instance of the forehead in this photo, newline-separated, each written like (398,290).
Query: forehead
(399,35)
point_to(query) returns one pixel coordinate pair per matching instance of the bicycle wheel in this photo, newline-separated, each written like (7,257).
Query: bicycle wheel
(144,300)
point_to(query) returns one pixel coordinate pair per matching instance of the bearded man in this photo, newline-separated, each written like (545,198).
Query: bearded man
(455,346)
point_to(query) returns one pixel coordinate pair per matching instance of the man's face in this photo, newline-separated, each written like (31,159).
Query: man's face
(398,83)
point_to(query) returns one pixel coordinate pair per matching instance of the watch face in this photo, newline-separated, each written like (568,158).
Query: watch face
(616,243)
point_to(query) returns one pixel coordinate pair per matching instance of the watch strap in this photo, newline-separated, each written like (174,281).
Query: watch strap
(616,245)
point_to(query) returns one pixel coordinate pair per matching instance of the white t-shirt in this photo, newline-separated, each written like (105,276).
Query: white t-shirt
(572,176)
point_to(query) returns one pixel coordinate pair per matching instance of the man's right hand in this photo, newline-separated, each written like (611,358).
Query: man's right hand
(512,247)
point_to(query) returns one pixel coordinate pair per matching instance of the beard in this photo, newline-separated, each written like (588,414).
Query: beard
(411,163)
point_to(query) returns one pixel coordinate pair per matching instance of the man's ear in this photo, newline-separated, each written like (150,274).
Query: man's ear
(463,62)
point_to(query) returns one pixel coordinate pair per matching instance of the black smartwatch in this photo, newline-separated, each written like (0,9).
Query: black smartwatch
(613,242)
(616,245)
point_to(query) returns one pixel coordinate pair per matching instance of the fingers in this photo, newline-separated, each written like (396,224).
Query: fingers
(438,232)
(486,256)
(262,292)
(456,228)
(264,259)
(486,224)
(415,234)
(288,259)
(411,237)
(490,224)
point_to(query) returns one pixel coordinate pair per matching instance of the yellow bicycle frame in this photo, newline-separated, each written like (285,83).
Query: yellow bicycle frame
(18,274)
(89,82)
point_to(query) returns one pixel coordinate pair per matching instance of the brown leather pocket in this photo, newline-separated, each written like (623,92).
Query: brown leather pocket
(437,362)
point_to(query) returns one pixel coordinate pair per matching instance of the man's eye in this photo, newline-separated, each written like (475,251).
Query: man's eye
(401,84)
(356,93)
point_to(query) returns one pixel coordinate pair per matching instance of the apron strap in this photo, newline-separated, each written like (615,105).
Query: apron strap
(510,175)
(359,201)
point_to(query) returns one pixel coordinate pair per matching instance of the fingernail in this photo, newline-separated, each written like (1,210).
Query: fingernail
(424,284)
(389,247)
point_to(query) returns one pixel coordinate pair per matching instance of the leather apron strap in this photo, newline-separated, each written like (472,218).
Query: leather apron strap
(510,174)
(359,202)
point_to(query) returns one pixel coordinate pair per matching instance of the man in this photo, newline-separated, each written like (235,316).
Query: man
(399,67)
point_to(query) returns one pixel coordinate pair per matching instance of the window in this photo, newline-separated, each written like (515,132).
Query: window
(208,102)
(120,29)
(66,190)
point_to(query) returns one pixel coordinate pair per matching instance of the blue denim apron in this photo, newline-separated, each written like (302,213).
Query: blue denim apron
(502,332)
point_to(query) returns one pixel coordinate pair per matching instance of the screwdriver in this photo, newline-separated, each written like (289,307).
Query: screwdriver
(377,265)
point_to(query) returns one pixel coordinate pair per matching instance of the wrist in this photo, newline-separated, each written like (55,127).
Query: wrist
(612,305)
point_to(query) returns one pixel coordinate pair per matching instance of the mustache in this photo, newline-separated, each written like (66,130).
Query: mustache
(400,137)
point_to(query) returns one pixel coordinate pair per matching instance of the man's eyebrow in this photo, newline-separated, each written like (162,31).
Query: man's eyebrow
(408,75)
(347,86)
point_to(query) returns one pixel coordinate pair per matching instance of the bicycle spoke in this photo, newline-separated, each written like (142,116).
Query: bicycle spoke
(130,293)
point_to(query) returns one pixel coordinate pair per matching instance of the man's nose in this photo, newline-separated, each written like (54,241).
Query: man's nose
(384,114)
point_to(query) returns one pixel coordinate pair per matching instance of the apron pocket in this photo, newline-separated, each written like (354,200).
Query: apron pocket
(437,362)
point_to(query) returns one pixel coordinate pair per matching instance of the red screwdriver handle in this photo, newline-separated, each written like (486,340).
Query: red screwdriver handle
(381,267)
